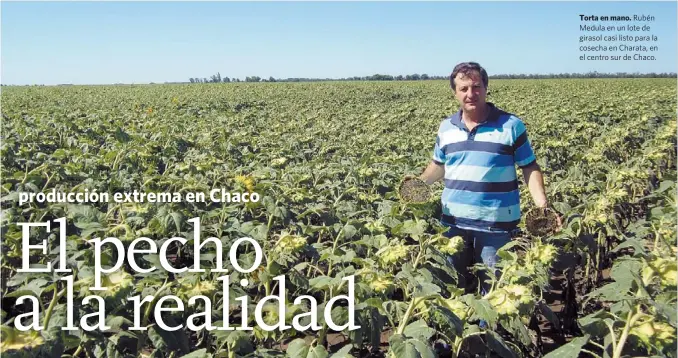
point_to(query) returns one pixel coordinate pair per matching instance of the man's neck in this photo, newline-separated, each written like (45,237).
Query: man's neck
(476,117)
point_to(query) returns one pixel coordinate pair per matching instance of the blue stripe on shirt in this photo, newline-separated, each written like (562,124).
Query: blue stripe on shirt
(524,155)
(470,145)
(495,199)
(501,187)
(520,141)
(500,213)
(481,159)
(482,174)
(479,224)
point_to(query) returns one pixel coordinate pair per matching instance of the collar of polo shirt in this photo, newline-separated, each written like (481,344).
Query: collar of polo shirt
(492,115)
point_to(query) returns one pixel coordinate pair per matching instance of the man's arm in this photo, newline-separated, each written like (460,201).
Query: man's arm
(535,182)
(433,173)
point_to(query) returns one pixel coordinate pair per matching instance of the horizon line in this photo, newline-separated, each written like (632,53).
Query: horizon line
(369,78)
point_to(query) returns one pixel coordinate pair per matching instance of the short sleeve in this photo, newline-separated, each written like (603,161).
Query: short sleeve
(523,155)
(438,154)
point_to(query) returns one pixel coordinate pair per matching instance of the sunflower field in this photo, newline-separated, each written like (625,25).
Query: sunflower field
(324,161)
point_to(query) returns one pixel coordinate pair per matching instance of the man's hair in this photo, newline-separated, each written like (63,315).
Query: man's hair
(467,68)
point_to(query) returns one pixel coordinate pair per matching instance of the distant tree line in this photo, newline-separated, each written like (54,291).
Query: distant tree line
(216,78)
(587,75)
(419,77)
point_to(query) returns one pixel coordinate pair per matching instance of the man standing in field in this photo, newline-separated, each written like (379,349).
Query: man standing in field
(475,153)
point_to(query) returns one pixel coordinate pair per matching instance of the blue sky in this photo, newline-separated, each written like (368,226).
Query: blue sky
(141,42)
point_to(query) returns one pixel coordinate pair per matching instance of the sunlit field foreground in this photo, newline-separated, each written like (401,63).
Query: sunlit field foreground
(324,161)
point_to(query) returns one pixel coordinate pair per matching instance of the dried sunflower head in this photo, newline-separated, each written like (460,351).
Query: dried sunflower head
(16,340)
(381,283)
(245,182)
(453,245)
(654,333)
(114,284)
(663,268)
(392,254)
(290,244)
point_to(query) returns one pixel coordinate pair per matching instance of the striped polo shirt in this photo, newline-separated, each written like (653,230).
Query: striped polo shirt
(481,184)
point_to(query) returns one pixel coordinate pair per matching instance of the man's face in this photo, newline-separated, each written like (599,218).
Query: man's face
(470,91)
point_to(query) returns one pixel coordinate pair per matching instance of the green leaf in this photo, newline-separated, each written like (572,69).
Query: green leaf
(482,310)
(111,351)
(268,353)
(423,289)
(34,288)
(395,309)
(301,266)
(240,342)
(162,340)
(402,347)
(548,314)
(121,136)
(349,231)
(657,212)
(299,349)
(423,348)
(343,353)
(202,353)
(667,311)
(375,325)
(374,302)
(116,323)
(594,323)
(13,196)
(254,230)
(626,269)
(562,207)
(505,249)
(419,330)
(518,330)
(447,320)
(177,218)
(665,185)
(570,350)
(346,257)
(89,228)
(613,292)
(169,341)
(339,315)
(412,228)
(637,245)
(322,282)
(497,344)
(507,256)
